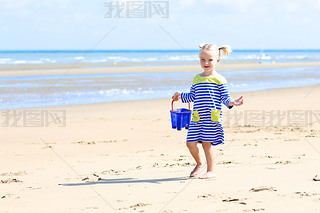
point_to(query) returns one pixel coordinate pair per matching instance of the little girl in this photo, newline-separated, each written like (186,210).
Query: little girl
(209,90)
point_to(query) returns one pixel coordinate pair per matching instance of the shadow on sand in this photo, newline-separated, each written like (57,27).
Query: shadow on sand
(125,180)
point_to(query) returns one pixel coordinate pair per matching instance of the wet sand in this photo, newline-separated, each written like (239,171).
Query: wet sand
(62,69)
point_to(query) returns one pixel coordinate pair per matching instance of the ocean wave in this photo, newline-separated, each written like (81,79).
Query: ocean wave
(151,59)
(183,58)
(97,60)
(136,56)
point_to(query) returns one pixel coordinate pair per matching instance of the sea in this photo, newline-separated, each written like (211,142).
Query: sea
(18,92)
(13,57)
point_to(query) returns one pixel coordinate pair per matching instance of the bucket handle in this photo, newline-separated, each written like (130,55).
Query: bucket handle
(172,105)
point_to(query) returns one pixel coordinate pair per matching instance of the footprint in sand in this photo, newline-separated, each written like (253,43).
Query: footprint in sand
(10,196)
(292,139)
(47,147)
(307,194)
(283,162)
(180,164)
(139,205)
(92,178)
(112,172)
(316,178)
(19,173)
(167,211)
(254,210)
(33,188)
(250,144)
(86,142)
(262,188)
(229,199)
(135,206)
(205,196)
(96,142)
(9,180)
(91,207)
(264,156)
(227,162)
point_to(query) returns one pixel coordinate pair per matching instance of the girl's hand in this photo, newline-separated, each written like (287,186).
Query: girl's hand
(239,101)
(176,96)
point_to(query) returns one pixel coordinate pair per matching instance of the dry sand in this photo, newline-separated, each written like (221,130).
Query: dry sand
(124,157)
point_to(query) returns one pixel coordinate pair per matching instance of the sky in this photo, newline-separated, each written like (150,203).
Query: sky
(183,24)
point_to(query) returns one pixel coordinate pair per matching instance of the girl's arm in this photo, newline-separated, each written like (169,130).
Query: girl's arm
(185,97)
(225,95)
(226,98)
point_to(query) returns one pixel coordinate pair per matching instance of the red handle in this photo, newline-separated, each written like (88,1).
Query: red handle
(172,105)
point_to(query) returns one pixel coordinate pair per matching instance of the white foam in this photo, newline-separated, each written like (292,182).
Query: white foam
(20,62)
(264,57)
(135,60)
(151,59)
(35,62)
(5,60)
(112,57)
(298,57)
(48,60)
(79,58)
(98,60)
(175,58)
(184,58)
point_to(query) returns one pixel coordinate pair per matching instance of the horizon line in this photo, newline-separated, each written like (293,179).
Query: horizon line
(143,50)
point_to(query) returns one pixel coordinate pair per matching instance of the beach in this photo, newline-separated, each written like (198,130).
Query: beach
(125,157)
(80,68)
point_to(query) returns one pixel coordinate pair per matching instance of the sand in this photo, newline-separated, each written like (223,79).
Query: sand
(44,69)
(124,157)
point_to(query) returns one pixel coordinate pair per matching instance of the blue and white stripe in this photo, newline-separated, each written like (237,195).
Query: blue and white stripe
(207,131)
(207,93)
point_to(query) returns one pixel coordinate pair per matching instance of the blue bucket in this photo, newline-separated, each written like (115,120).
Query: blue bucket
(180,118)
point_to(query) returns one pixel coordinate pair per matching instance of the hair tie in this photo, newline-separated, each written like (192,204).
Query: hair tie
(202,45)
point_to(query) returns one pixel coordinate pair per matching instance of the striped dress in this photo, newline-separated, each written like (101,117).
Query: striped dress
(208,95)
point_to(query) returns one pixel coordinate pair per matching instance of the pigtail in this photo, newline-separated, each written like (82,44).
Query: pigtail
(203,45)
(226,49)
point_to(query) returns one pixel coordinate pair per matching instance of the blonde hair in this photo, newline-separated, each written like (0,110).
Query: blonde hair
(226,49)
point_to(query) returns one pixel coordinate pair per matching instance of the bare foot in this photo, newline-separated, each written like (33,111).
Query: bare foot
(208,175)
(196,170)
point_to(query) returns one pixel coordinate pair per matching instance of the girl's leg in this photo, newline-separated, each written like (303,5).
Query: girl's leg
(208,151)
(194,150)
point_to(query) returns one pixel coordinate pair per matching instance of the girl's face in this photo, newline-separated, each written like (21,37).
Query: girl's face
(208,60)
